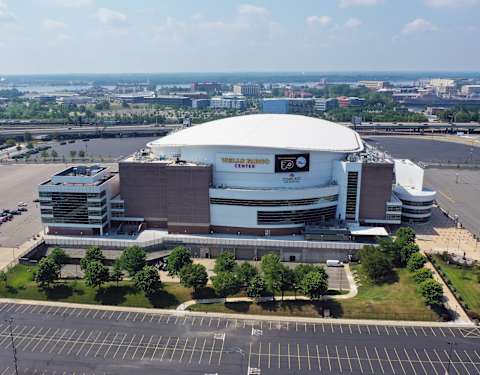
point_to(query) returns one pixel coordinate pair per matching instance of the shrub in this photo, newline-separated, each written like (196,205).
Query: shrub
(432,292)
(422,274)
(416,262)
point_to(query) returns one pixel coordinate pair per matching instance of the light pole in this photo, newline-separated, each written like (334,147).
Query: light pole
(447,372)
(14,349)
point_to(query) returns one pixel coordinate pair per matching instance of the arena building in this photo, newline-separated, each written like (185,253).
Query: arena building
(263,175)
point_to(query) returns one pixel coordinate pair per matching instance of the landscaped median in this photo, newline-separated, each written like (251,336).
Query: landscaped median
(463,281)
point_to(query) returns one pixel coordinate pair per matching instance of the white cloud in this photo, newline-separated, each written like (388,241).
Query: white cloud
(50,24)
(353,23)
(418,25)
(248,9)
(318,20)
(111,17)
(75,3)
(349,3)
(5,14)
(451,3)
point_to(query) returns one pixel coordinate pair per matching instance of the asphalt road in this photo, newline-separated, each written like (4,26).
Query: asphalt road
(59,340)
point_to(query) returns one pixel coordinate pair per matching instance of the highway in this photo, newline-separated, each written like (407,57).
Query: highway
(64,340)
(156,129)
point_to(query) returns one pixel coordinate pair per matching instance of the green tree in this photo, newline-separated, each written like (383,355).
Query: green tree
(44,154)
(432,292)
(375,263)
(116,274)
(422,274)
(225,284)
(178,258)
(314,284)
(30,145)
(194,276)
(271,269)
(133,259)
(96,274)
(246,272)
(73,153)
(93,253)
(406,251)
(416,262)
(256,287)
(81,154)
(3,277)
(148,280)
(286,280)
(225,262)
(54,154)
(59,256)
(47,272)
(405,235)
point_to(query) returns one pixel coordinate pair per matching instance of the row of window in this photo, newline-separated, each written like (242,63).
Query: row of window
(273,202)
(296,217)
(416,211)
(419,204)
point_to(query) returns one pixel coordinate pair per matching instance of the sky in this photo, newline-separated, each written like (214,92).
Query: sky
(163,36)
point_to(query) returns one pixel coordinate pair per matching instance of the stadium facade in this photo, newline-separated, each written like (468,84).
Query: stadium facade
(262,175)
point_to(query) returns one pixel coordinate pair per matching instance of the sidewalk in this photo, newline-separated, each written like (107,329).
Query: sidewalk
(353,291)
(9,256)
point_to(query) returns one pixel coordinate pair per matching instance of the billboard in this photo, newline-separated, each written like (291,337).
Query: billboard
(292,163)
(251,163)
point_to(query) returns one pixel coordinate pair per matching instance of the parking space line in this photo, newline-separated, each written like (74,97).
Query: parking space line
(40,339)
(368,329)
(421,362)
(145,315)
(103,343)
(15,334)
(183,351)
(195,345)
(441,330)
(221,352)
(94,342)
(279,354)
(259,353)
(338,359)
(137,347)
(440,360)
(298,357)
(386,330)
(49,340)
(461,361)
(369,360)
(378,331)
(288,356)
(308,358)
(318,359)
(3,332)
(110,346)
(3,306)
(348,358)
(434,334)
(165,349)
(430,361)
(328,358)
(146,348)
(66,342)
(451,363)
(453,333)
(341,329)
(156,348)
(471,361)
(58,340)
(410,361)
(128,346)
(358,359)
(399,360)
(395,329)
(405,330)
(379,360)
(135,317)
(5,371)
(119,346)
(175,348)
(389,360)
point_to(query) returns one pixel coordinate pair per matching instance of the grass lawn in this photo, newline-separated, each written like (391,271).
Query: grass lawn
(20,285)
(465,281)
(397,299)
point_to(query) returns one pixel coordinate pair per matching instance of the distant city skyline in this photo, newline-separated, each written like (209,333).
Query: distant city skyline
(120,36)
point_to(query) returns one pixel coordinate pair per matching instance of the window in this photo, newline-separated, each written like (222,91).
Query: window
(296,216)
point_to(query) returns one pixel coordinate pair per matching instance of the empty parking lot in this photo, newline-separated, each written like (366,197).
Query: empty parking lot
(59,340)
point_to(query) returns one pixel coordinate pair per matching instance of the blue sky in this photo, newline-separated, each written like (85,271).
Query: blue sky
(117,36)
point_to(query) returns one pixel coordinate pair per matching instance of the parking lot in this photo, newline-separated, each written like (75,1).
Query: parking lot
(51,339)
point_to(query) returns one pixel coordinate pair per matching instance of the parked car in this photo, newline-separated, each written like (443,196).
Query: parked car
(15,212)
(22,209)
(334,263)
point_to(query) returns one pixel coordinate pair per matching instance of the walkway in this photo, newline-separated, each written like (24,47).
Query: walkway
(9,256)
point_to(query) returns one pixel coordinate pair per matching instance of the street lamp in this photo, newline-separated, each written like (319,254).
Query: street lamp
(447,372)
(14,349)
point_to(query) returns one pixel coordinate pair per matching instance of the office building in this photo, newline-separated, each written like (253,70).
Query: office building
(304,106)
(325,105)
(247,89)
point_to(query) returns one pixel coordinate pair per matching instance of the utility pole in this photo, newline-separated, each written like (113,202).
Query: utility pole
(14,349)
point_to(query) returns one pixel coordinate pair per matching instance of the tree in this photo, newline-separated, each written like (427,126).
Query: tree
(375,263)
(30,145)
(256,287)
(73,153)
(116,274)
(225,284)
(406,251)
(432,292)
(225,262)
(286,280)
(314,284)
(81,154)
(54,154)
(44,154)
(245,273)
(416,262)
(96,274)
(133,259)
(59,256)
(422,274)
(148,280)
(47,272)
(93,253)
(194,276)
(271,269)
(3,277)
(178,259)
(405,235)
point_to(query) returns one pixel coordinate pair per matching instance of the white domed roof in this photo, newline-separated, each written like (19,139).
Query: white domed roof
(292,132)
